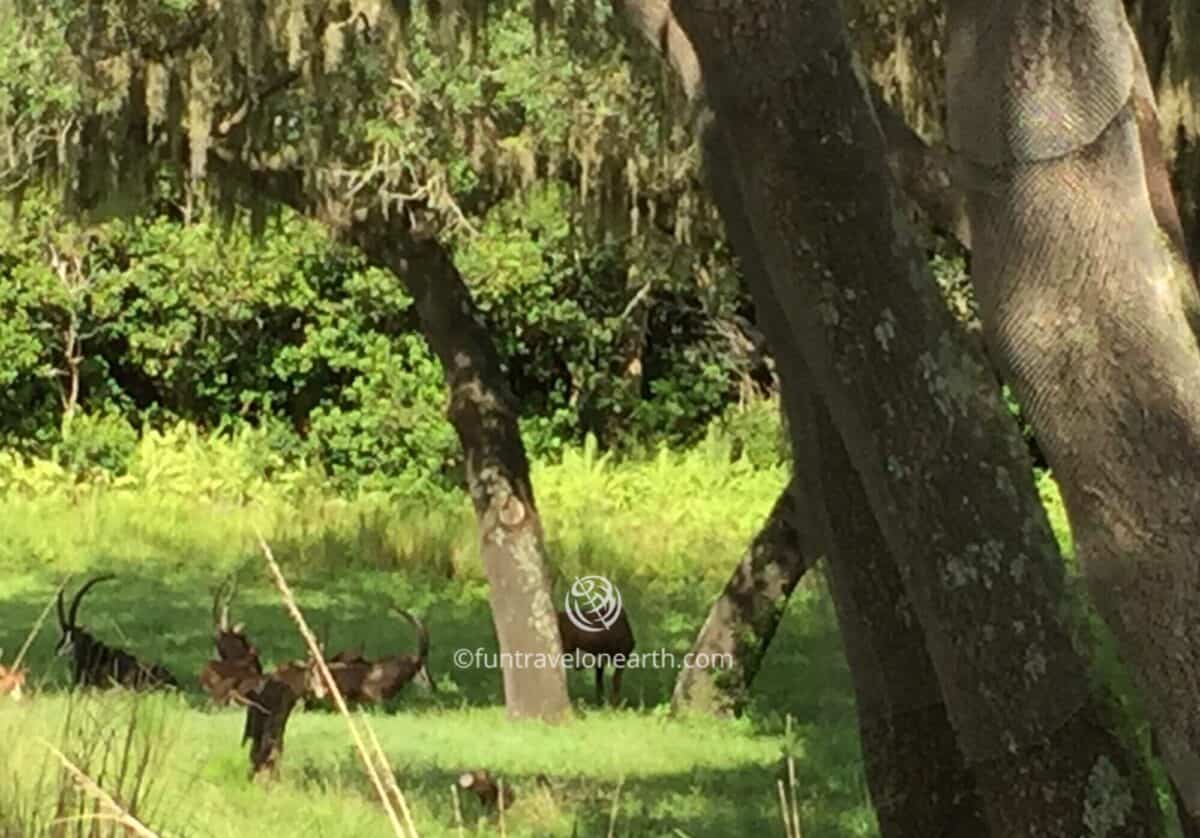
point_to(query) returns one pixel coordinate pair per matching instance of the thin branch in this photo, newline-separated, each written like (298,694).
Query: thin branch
(37,626)
(318,658)
(116,811)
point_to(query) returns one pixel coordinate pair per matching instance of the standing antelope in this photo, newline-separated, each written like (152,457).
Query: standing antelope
(605,644)
(362,681)
(95,664)
(237,672)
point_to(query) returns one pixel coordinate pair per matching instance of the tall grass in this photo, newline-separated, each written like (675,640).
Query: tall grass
(121,743)
(667,528)
(184,494)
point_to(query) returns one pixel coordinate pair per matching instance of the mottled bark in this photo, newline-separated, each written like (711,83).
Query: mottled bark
(1091,310)
(918,780)
(924,173)
(484,415)
(941,462)
(742,621)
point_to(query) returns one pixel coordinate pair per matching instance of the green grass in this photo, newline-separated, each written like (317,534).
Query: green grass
(667,531)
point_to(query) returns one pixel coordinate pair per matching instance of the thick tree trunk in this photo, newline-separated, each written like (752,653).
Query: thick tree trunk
(919,782)
(1094,314)
(942,463)
(742,621)
(482,412)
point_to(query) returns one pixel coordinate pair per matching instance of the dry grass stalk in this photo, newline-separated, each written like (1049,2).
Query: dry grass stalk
(390,778)
(37,627)
(116,812)
(783,807)
(791,765)
(500,802)
(458,818)
(612,815)
(318,658)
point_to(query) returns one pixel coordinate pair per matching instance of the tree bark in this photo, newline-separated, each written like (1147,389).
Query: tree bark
(482,410)
(483,414)
(1095,315)
(743,620)
(941,462)
(918,780)
(919,783)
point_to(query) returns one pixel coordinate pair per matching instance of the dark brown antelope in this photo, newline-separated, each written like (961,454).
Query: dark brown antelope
(362,681)
(95,664)
(237,672)
(608,644)
(268,709)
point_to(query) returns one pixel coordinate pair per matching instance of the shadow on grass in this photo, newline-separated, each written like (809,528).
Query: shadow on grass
(168,620)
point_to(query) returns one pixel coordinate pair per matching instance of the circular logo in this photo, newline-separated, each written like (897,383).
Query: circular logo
(593,603)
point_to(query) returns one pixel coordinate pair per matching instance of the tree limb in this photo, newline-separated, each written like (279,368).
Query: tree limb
(922,171)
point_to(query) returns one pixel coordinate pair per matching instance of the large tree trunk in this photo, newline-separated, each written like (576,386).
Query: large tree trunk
(1094,314)
(483,414)
(482,411)
(918,780)
(919,783)
(942,463)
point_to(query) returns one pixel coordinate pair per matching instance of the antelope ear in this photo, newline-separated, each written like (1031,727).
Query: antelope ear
(237,628)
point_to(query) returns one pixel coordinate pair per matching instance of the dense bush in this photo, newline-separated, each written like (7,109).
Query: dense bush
(150,321)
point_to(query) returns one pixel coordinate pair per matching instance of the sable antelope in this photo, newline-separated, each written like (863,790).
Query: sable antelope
(238,671)
(605,643)
(267,712)
(486,789)
(95,664)
(232,643)
(362,681)
(348,656)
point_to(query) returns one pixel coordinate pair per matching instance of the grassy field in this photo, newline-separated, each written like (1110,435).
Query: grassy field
(666,531)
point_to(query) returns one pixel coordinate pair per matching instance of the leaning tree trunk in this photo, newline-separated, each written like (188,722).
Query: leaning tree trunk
(483,414)
(1094,313)
(918,780)
(742,621)
(942,464)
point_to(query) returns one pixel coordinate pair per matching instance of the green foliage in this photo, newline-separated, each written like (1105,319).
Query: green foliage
(566,190)
(96,441)
(290,332)
(756,433)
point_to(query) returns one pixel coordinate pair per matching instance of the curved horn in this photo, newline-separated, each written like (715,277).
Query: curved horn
(216,609)
(233,587)
(221,599)
(62,614)
(104,577)
(422,640)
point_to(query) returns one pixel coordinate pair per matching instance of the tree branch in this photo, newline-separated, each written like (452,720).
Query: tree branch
(922,171)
